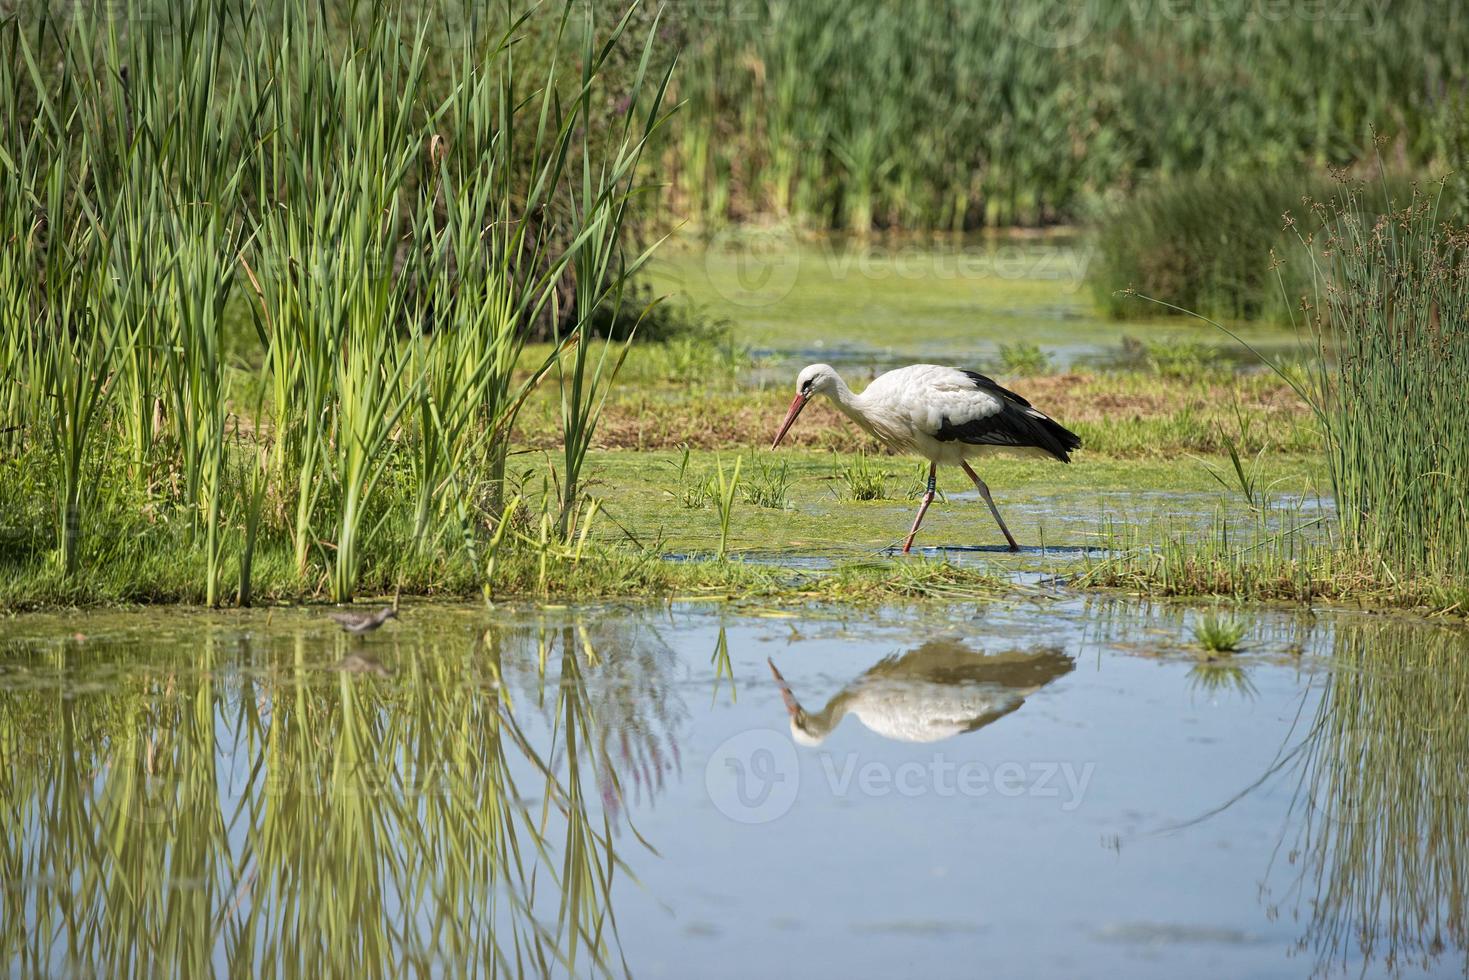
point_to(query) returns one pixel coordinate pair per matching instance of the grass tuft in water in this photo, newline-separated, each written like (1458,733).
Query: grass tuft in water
(865,480)
(1217,633)
(1024,359)
(769,485)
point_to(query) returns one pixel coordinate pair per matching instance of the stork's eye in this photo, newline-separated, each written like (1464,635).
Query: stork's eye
(806,388)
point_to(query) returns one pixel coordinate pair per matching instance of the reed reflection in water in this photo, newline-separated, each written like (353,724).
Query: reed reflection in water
(240,805)
(1379,827)
(193,795)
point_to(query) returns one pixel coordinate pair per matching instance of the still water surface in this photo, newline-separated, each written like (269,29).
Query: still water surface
(878,303)
(1038,788)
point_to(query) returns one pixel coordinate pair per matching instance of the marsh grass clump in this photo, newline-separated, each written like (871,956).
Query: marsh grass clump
(863,479)
(1176,358)
(698,489)
(1244,477)
(1217,633)
(1217,246)
(1389,311)
(1200,242)
(699,493)
(768,484)
(1024,359)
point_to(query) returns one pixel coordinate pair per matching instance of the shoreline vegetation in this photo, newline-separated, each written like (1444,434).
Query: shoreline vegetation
(375,323)
(396,209)
(1389,311)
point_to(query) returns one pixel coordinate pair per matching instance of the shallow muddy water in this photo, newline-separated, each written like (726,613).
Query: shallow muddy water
(1056,787)
(876,304)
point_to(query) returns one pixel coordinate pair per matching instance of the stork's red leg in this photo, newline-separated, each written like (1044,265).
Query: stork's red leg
(984,492)
(923,507)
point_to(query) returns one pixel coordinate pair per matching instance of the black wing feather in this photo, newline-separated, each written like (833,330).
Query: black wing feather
(992,387)
(1016,424)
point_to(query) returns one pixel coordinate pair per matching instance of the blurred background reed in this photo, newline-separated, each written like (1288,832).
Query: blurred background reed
(960,115)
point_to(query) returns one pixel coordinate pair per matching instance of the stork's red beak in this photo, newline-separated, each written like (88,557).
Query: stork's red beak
(792,705)
(796,406)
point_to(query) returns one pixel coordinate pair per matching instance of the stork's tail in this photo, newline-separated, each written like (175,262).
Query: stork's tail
(1058,440)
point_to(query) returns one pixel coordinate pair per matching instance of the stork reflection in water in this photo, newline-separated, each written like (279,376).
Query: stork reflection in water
(939,690)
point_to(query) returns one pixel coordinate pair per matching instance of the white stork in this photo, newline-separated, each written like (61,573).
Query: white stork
(943,414)
(937,691)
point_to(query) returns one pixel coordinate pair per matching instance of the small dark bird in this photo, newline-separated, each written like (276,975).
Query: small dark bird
(358,623)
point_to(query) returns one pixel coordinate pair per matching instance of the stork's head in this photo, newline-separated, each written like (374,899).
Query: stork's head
(805,729)
(814,379)
(817,379)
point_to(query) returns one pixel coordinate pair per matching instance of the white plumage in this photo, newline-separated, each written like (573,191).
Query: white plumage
(937,691)
(924,711)
(906,408)
(946,415)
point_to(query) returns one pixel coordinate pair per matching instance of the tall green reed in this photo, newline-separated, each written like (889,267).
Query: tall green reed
(194,374)
(330,246)
(398,198)
(608,193)
(727,487)
(75,344)
(1392,317)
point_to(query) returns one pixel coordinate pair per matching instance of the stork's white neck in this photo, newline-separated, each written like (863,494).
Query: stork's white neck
(820,724)
(849,403)
(856,407)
